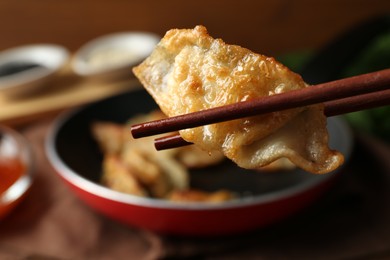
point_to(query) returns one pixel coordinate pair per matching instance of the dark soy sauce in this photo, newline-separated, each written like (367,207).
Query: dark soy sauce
(15,67)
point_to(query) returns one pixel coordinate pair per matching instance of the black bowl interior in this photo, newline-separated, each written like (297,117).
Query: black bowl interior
(78,150)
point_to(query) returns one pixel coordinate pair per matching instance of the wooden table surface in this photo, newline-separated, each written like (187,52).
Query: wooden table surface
(268,27)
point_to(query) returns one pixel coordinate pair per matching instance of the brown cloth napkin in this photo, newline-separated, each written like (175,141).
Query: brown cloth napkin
(351,221)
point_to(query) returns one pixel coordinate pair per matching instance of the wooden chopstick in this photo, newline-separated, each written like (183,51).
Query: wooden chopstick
(340,96)
(332,108)
(333,90)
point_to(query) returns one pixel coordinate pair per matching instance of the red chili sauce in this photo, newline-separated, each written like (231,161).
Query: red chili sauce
(10,172)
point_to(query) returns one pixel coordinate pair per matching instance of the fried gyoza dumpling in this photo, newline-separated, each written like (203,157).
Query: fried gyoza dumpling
(158,172)
(135,167)
(190,71)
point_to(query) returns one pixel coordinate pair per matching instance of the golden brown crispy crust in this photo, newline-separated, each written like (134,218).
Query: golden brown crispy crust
(190,71)
(110,136)
(120,178)
(200,196)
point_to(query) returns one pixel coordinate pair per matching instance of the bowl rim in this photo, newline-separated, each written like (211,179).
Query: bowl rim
(78,61)
(24,182)
(104,192)
(14,54)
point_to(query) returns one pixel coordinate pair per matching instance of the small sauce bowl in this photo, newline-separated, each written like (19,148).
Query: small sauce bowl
(16,169)
(27,69)
(112,56)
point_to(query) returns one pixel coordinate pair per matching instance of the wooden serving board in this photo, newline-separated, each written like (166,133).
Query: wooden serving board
(65,90)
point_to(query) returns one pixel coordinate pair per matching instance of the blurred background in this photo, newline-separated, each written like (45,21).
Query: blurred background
(268,27)
(289,30)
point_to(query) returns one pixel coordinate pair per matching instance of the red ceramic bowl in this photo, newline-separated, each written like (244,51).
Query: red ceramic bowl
(265,198)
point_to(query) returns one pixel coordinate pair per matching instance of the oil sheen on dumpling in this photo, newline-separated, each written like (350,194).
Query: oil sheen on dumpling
(190,71)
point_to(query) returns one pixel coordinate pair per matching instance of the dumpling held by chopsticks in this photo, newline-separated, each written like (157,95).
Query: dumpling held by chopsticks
(190,71)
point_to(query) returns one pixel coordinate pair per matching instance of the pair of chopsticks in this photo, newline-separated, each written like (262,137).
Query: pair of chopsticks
(339,97)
